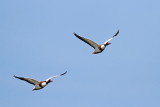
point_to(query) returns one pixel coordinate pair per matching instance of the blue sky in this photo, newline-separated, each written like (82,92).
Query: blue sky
(37,41)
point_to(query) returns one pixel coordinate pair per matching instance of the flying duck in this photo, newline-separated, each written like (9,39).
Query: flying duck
(97,48)
(39,84)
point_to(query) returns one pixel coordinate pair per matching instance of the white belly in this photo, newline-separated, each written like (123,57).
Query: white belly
(40,86)
(44,84)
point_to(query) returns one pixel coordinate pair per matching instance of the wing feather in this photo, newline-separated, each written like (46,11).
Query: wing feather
(112,37)
(56,76)
(29,80)
(89,42)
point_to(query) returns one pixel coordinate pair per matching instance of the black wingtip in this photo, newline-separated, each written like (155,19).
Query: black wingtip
(16,77)
(116,33)
(64,73)
(75,34)
(21,78)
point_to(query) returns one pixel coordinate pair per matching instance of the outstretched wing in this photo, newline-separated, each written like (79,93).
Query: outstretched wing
(89,42)
(112,37)
(29,80)
(56,76)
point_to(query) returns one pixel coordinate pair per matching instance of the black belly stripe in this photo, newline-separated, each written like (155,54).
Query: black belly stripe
(99,47)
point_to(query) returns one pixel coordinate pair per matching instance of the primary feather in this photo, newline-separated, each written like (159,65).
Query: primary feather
(112,37)
(56,76)
(89,42)
(29,80)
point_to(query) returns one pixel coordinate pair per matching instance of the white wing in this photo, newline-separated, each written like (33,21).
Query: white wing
(56,76)
(112,37)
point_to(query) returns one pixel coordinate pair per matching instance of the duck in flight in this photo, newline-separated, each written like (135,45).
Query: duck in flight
(39,84)
(98,48)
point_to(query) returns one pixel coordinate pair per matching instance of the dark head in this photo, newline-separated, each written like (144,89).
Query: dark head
(108,43)
(49,81)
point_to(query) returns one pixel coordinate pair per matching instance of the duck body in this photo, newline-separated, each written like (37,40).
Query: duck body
(41,85)
(97,48)
(38,84)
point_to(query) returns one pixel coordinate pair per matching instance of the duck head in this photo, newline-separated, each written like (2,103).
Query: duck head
(108,43)
(49,81)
